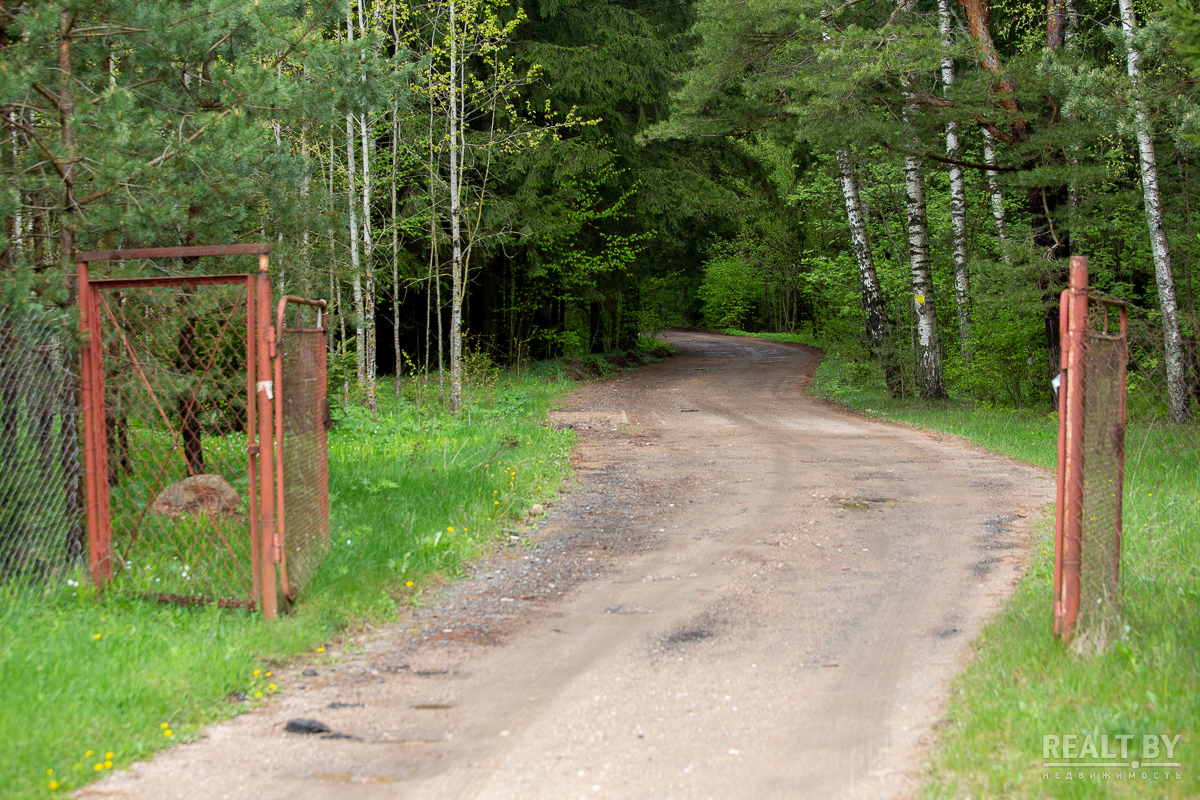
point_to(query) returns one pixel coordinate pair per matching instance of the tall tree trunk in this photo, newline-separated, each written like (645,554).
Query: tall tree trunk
(457,287)
(66,110)
(371,339)
(929,348)
(874,310)
(396,253)
(360,337)
(958,196)
(1177,394)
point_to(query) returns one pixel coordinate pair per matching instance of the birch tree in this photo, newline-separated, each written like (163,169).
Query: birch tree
(958,192)
(1178,404)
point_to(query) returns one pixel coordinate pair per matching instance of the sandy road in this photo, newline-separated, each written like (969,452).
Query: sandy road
(750,595)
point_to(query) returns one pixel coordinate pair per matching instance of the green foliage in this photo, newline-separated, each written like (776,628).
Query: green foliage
(730,292)
(414,495)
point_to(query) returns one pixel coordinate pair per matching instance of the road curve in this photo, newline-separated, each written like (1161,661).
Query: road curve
(748,595)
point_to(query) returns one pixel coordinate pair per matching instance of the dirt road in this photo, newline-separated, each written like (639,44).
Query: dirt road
(750,595)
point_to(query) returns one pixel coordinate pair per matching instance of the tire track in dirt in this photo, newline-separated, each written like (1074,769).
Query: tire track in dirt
(750,595)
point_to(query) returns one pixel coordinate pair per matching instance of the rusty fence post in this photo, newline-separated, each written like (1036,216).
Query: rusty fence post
(1070,531)
(95,432)
(252,448)
(265,392)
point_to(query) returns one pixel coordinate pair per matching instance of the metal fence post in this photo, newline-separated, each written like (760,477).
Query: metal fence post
(1072,528)
(265,392)
(95,432)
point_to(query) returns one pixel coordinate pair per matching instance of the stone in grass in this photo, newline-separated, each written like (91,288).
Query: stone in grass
(536,509)
(301,725)
(210,495)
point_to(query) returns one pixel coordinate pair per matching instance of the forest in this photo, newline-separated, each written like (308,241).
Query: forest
(513,181)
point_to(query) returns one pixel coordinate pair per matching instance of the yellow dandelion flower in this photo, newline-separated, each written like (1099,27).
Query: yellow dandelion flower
(258,672)
(88,754)
(108,765)
(409,583)
(108,756)
(167,733)
(49,772)
(97,766)
(489,519)
(96,635)
(53,785)
(165,725)
(495,502)
(271,687)
(258,694)
(268,674)
(450,529)
(320,649)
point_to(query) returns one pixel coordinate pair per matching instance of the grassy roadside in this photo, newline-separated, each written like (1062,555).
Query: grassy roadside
(93,684)
(1022,683)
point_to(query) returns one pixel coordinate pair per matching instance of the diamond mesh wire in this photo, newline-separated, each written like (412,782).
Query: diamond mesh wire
(1103,457)
(42,540)
(175,405)
(304,456)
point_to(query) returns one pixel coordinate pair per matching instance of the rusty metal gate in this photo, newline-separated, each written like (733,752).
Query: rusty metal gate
(1091,464)
(180,409)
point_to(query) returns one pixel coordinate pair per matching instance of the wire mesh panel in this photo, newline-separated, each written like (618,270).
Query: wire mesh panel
(41,498)
(173,394)
(1091,463)
(303,455)
(1104,356)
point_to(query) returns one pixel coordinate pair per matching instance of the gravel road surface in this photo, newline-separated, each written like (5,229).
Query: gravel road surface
(748,594)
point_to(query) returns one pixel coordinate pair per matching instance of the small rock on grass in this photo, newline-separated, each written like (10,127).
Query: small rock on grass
(301,725)
(536,509)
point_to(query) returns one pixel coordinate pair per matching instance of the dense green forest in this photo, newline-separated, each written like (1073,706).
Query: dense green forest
(905,180)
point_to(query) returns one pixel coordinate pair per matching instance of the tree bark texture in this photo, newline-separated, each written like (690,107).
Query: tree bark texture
(958,196)
(874,310)
(457,287)
(1179,408)
(929,348)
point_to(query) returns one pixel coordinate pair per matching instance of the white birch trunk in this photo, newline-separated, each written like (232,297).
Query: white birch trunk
(368,265)
(989,158)
(360,339)
(958,197)
(1179,408)
(929,349)
(396,253)
(360,351)
(872,295)
(456,261)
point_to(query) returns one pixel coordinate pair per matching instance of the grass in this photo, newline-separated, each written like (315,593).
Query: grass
(1023,684)
(93,683)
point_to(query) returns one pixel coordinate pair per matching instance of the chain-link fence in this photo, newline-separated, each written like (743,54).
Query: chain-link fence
(42,540)
(1091,466)
(170,390)
(302,450)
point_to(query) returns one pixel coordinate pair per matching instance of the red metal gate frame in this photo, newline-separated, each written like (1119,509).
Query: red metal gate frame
(1068,523)
(323,489)
(260,349)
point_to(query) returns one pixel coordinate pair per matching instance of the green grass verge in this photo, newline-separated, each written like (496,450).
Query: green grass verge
(92,684)
(1022,683)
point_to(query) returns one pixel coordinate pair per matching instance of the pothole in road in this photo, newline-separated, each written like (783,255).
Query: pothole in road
(862,503)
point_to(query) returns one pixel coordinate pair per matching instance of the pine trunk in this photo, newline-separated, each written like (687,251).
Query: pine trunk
(874,310)
(1178,405)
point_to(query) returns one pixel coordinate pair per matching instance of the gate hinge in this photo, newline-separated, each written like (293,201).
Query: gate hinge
(253,450)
